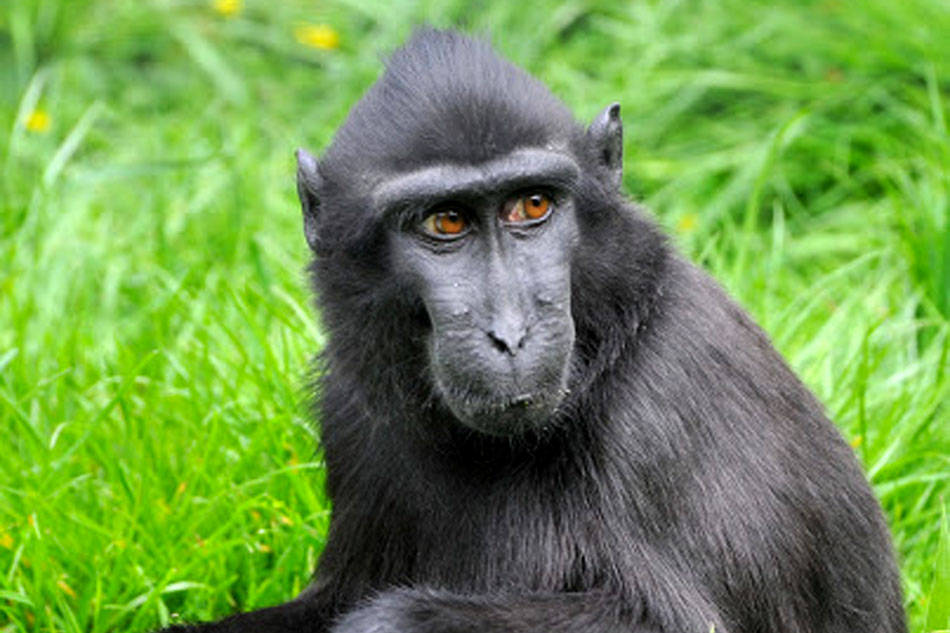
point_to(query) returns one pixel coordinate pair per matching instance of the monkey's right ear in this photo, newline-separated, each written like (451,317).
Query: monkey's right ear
(308,188)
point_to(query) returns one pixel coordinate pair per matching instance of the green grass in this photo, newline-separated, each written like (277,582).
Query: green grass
(155,328)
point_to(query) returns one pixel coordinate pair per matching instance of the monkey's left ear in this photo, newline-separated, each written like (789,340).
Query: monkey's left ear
(606,132)
(308,187)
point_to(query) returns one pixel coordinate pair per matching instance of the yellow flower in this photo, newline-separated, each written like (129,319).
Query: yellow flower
(320,36)
(687,223)
(6,540)
(37,121)
(227,8)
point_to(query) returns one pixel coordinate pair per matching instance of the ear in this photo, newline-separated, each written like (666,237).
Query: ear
(606,133)
(308,188)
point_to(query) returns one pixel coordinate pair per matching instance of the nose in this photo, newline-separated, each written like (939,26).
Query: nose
(507,334)
(507,324)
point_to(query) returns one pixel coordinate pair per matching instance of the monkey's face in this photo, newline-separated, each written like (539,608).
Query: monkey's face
(493,271)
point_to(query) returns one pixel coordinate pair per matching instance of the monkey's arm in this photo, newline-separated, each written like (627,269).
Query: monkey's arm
(292,617)
(427,611)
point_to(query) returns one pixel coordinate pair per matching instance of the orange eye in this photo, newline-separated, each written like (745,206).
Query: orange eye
(536,206)
(445,223)
(533,206)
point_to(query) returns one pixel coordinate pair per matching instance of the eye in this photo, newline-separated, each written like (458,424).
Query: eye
(525,208)
(449,223)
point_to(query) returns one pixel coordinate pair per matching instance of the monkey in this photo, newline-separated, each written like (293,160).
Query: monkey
(536,415)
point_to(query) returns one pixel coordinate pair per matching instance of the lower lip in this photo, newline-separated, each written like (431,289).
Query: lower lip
(524,400)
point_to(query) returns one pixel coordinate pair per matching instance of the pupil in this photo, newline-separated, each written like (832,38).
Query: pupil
(449,222)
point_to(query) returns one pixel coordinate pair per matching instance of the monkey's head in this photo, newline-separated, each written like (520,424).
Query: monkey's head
(446,219)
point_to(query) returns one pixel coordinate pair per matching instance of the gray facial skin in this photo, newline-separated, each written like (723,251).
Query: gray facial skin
(498,295)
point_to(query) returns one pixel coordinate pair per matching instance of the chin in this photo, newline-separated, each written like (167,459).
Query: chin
(508,416)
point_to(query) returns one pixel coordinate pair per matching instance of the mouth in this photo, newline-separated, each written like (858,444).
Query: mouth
(509,416)
(523,401)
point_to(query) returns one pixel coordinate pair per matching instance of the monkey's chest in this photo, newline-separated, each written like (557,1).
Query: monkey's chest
(490,544)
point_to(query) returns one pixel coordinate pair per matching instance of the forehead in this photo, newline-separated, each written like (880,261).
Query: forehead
(550,167)
(446,99)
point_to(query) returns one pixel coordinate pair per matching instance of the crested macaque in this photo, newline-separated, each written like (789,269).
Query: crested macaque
(538,417)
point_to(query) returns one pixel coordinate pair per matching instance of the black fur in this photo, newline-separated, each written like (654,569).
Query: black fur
(687,480)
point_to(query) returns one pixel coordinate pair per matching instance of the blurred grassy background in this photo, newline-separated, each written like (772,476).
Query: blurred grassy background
(155,328)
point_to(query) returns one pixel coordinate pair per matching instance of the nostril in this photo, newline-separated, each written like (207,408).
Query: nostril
(499,343)
(507,342)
